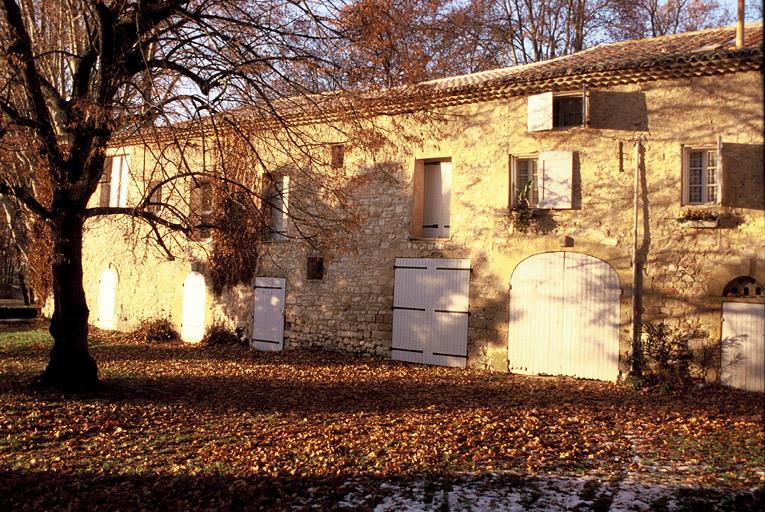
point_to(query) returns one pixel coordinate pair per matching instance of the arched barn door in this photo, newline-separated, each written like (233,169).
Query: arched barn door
(107,288)
(564,317)
(193,317)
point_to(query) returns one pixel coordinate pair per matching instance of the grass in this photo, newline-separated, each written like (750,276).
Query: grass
(175,423)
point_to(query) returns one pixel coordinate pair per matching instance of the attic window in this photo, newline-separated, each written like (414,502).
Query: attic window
(557,110)
(315,268)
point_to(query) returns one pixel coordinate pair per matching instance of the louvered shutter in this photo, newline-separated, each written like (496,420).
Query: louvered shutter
(540,112)
(556,178)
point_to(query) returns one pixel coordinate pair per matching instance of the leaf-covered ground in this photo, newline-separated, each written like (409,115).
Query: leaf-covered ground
(188,427)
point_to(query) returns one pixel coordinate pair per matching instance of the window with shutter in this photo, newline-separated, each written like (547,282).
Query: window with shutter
(105,184)
(560,110)
(154,191)
(277,195)
(120,180)
(702,174)
(432,201)
(524,183)
(200,206)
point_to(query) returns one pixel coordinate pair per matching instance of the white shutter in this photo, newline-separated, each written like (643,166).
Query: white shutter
(193,315)
(743,345)
(268,314)
(719,170)
(555,176)
(107,286)
(116,178)
(540,112)
(432,201)
(446,199)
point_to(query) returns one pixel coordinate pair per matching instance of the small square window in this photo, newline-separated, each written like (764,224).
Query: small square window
(315,268)
(524,180)
(155,197)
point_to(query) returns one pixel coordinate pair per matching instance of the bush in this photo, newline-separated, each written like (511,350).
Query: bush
(665,358)
(220,334)
(158,330)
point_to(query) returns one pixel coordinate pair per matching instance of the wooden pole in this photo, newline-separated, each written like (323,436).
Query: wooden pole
(636,334)
(740,25)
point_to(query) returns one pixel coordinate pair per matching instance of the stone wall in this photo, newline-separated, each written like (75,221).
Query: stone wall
(685,269)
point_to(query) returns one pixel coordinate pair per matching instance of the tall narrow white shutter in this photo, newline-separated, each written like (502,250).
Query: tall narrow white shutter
(116,178)
(540,112)
(719,170)
(555,173)
(432,201)
(446,199)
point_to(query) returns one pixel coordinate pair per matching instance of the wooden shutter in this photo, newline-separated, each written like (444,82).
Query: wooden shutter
(278,203)
(540,112)
(719,170)
(432,201)
(555,177)
(446,199)
(116,178)
(743,345)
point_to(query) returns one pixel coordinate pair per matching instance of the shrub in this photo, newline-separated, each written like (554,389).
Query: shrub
(157,330)
(665,359)
(220,334)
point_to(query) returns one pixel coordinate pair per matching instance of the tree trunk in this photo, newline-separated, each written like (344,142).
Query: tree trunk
(71,366)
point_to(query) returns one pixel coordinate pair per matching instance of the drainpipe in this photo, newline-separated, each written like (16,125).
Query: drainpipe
(740,25)
(636,331)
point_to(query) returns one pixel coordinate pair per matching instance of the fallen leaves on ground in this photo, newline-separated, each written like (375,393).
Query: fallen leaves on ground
(214,425)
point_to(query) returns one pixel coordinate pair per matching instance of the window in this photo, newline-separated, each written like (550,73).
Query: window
(105,183)
(701,175)
(337,156)
(549,177)
(567,111)
(114,181)
(431,205)
(277,199)
(155,197)
(524,180)
(201,203)
(315,270)
(560,110)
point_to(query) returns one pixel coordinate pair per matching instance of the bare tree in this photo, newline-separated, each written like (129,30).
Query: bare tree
(635,19)
(79,74)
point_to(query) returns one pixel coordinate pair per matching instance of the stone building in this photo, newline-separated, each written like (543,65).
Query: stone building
(505,236)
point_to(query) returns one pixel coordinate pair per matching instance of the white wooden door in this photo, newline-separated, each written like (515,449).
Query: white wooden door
(430,311)
(268,314)
(743,345)
(107,288)
(193,315)
(564,317)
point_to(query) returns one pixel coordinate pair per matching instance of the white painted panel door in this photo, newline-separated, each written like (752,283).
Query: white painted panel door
(430,311)
(193,315)
(564,317)
(535,322)
(268,314)
(743,345)
(107,287)
(591,294)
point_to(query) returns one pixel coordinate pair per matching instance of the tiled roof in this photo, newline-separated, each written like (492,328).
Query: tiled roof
(691,54)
